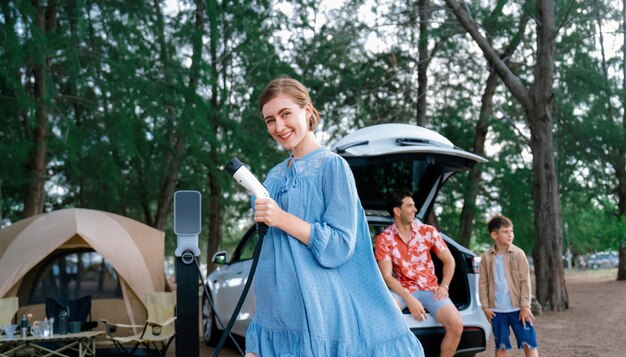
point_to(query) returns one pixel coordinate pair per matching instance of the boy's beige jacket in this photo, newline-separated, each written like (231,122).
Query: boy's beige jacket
(517,276)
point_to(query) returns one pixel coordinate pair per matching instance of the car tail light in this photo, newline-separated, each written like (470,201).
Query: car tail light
(476,265)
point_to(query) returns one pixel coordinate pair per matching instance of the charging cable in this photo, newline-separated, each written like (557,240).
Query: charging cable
(246,179)
(210,299)
(261,231)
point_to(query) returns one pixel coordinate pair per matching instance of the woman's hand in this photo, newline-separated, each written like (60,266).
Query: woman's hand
(266,210)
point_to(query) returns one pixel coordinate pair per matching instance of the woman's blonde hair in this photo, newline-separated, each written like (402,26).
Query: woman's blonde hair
(294,89)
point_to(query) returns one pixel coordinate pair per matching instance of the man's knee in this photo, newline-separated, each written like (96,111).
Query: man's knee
(451,319)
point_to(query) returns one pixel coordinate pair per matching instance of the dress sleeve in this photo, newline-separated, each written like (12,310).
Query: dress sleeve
(333,238)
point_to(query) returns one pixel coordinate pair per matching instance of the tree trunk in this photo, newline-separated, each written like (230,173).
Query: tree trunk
(512,82)
(549,272)
(468,213)
(34,195)
(617,157)
(620,167)
(169,185)
(432,220)
(423,61)
(551,290)
(180,141)
(172,157)
(214,212)
(0,201)
(620,172)
(214,236)
(621,272)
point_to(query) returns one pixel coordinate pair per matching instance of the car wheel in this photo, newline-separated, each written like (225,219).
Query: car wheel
(209,327)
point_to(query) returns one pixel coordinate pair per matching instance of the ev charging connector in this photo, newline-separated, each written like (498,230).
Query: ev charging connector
(245,178)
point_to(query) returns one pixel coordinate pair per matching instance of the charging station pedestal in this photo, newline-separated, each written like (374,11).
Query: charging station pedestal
(187,226)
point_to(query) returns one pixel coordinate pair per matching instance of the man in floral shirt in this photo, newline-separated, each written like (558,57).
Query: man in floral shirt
(403,252)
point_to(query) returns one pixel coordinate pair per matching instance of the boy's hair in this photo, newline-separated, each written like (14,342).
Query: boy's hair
(498,221)
(394,200)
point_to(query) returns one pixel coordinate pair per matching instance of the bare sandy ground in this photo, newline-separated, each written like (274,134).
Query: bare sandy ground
(594,325)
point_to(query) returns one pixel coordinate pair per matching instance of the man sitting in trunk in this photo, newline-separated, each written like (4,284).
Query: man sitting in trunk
(403,252)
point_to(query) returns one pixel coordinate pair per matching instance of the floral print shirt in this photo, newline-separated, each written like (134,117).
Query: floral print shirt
(412,262)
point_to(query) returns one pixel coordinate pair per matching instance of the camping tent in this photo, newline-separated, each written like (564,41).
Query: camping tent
(133,249)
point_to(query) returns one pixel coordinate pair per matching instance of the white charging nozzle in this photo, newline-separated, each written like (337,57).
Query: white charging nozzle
(245,178)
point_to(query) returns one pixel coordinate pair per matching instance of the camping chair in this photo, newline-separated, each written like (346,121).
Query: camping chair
(158,331)
(8,310)
(80,310)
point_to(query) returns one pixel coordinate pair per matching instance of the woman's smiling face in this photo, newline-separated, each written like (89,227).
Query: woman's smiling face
(287,122)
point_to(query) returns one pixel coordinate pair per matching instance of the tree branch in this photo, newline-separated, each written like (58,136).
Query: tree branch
(511,81)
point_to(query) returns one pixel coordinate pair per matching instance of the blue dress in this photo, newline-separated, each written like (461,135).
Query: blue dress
(328,298)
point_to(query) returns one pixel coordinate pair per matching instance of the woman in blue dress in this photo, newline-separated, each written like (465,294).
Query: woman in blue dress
(318,289)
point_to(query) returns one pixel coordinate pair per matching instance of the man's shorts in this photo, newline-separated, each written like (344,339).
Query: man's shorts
(427,298)
(525,336)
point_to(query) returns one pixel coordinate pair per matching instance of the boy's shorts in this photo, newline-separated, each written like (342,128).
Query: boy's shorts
(427,298)
(525,336)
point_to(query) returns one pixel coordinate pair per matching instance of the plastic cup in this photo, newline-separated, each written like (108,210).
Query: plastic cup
(75,326)
(9,330)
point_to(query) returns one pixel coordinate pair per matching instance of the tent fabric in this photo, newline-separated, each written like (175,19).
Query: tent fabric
(8,308)
(135,250)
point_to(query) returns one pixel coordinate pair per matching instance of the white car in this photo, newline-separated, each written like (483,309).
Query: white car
(384,158)
(603,260)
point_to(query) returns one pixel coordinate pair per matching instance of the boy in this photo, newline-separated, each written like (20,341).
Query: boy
(505,290)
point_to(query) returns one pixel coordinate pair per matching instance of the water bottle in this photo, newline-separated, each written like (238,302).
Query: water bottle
(24,326)
(63,321)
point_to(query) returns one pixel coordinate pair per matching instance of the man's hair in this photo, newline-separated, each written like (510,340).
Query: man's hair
(394,200)
(498,221)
